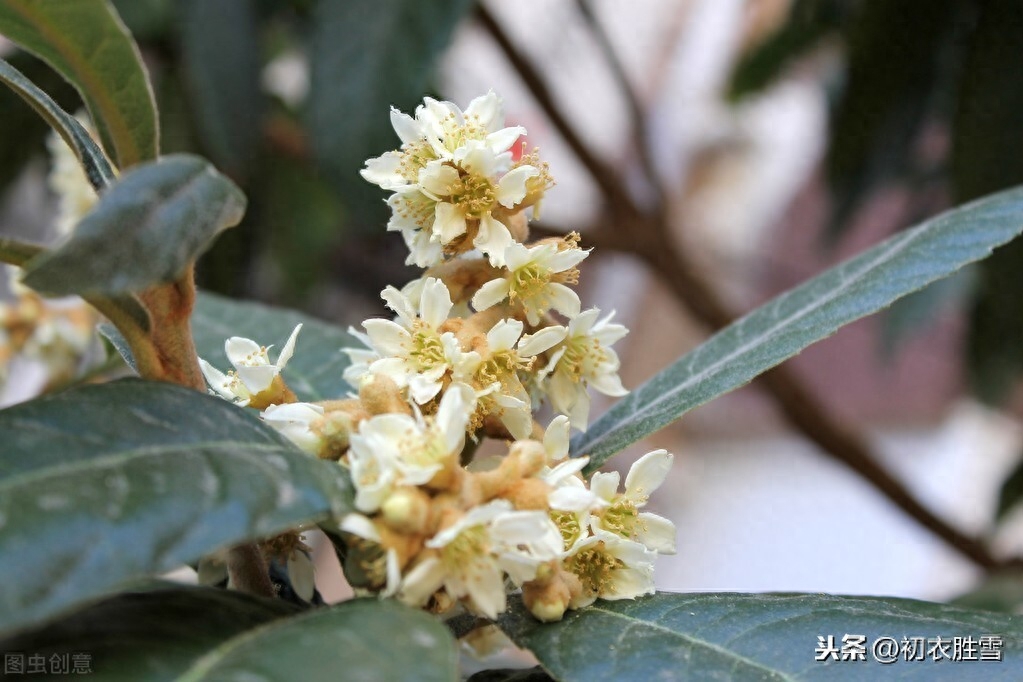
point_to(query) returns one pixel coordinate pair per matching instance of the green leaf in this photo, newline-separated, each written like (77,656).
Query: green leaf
(362,640)
(366,56)
(755,637)
(17,150)
(1011,492)
(1002,592)
(792,321)
(809,22)
(151,636)
(512,675)
(146,229)
(106,483)
(911,315)
(894,82)
(95,164)
(314,372)
(221,60)
(86,43)
(987,155)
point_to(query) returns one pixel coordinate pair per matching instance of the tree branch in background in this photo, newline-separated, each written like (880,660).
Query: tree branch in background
(648,235)
(640,133)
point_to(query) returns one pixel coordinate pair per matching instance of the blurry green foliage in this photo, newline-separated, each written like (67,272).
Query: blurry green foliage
(298,161)
(932,98)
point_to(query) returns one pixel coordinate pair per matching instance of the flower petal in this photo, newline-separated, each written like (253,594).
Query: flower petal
(389,338)
(289,348)
(435,303)
(490,294)
(503,335)
(239,349)
(545,339)
(406,127)
(563,299)
(511,189)
(647,475)
(656,533)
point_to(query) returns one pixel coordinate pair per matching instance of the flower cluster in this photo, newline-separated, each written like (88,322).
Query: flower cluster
(53,335)
(489,333)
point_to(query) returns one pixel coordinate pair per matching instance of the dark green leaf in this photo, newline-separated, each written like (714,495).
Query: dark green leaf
(895,77)
(95,164)
(1011,492)
(16,150)
(146,229)
(314,372)
(86,43)
(1001,592)
(359,641)
(147,19)
(536,674)
(106,483)
(813,311)
(220,54)
(987,155)
(756,637)
(366,56)
(809,22)
(910,315)
(151,636)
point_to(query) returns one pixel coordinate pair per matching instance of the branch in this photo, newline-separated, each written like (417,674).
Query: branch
(648,235)
(605,177)
(640,133)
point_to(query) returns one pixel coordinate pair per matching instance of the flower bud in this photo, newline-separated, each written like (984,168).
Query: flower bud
(407,511)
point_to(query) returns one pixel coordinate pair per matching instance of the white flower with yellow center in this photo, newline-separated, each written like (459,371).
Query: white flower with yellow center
(473,556)
(498,366)
(436,132)
(254,381)
(583,358)
(418,447)
(462,192)
(536,281)
(294,421)
(610,567)
(412,351)
(620,511)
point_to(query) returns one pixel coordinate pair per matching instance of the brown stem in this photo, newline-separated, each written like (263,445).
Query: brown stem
(171,307)
(247,569)
(648,235)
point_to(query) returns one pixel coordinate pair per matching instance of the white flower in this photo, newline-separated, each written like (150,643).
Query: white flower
(498,365)
(611,568)
(535,281)
(412,214)
(621,514)
(471,187)
(476,552)
(254,379)
(436,132)
(294,422)
(412,351)
(583,359)
(411,450)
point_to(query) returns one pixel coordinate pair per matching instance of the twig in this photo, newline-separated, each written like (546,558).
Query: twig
(640,133)
(648,235)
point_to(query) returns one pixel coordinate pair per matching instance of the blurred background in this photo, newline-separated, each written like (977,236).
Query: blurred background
(716,153)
